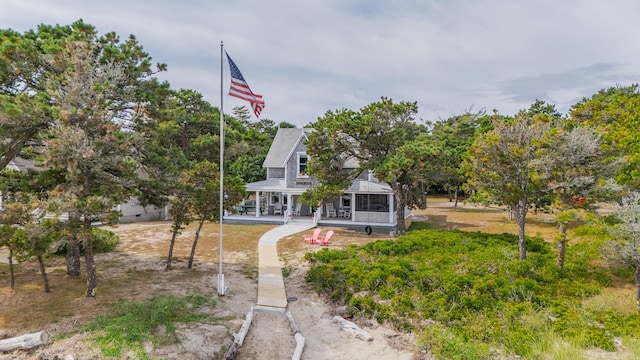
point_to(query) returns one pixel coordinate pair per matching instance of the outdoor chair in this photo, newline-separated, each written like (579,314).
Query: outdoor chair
(277,209)
(313,238)
(325,239)
(331,212)
(298,208)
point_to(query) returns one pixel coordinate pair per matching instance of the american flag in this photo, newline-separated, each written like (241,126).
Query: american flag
(240,89)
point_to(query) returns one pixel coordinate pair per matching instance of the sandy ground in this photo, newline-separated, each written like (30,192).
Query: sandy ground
(270,335)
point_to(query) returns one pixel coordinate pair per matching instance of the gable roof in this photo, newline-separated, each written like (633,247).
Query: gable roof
(283,144)
(361,186)
(21,164)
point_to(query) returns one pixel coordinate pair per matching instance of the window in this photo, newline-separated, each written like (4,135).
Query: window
(302,165)
(346,201)
(275,197)
(372,202)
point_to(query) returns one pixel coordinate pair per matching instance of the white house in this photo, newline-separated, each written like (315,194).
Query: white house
(366,204)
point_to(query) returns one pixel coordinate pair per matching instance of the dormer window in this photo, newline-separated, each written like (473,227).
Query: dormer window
(302,165)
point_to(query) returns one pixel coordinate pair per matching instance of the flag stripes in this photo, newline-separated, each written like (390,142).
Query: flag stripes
(241,90)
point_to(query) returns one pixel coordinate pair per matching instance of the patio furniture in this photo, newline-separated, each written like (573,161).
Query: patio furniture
(313,238)
(298,208)
(325,239)
(331,212)
(277,209)
(244,209)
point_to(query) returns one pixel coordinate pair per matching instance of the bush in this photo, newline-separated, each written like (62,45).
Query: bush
(474,286)
(103,242)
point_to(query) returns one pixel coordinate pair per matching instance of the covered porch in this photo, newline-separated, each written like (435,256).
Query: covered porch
(346,223)
(365,206)
(272,198)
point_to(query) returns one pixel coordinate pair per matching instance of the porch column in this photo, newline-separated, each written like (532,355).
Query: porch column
(257,203)
(353,207)
(290,204)
(391,209)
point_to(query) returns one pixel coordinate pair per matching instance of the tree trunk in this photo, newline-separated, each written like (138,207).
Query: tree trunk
(450,195)
(43,271)
(11,272)
(521,214)
(562,245)
(73,255)
(24,342)
(195,243)
(401,228)
(92,277)
(173,241)
(456,197)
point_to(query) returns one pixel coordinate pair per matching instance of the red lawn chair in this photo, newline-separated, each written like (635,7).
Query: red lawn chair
(325,239)
(313,238)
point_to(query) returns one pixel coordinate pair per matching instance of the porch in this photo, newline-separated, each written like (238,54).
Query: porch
(339,222)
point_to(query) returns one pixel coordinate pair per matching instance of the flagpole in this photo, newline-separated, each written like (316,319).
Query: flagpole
(221,287)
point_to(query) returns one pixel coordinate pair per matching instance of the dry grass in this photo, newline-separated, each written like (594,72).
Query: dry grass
(140,258)
(441,214)
(135,269)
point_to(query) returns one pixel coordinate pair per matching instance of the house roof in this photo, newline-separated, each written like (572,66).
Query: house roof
(360,186)
(273,185)
(20,164)
(283,144)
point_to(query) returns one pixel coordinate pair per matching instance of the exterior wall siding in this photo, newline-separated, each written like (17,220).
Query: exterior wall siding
(293,181)
(378,217)
(132,212)
(276,173)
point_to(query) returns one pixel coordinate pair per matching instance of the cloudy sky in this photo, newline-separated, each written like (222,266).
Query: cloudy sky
(308,57)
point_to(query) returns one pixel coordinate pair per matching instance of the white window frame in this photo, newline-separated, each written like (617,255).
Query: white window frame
(298,173)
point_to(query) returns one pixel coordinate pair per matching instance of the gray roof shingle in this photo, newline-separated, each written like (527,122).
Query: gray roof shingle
(284,143)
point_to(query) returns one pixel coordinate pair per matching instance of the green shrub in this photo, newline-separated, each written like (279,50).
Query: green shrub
(103,241)
(448,345)
(483,298)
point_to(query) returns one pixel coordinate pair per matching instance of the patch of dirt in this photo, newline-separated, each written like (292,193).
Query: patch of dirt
(137,271)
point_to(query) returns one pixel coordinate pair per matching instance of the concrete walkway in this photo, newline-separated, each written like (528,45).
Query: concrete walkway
(271,292)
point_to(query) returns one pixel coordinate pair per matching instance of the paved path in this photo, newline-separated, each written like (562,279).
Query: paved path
(271,293)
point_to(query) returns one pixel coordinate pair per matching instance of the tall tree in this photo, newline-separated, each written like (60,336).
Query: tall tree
(88,141)
(451,141)
(205,180)
(503,164)
(572,165)
(615,114)
(373,136)
(29,62)
(180,142)
(625,251)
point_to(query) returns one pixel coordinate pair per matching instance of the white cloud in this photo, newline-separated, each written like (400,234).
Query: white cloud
(318,55)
